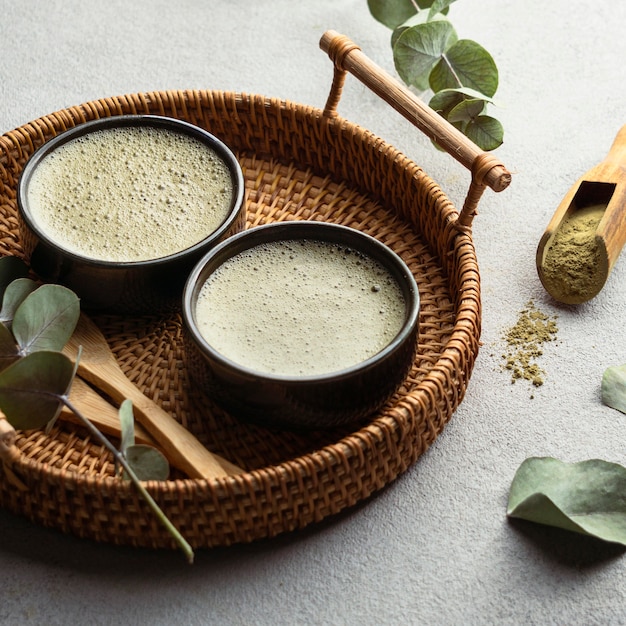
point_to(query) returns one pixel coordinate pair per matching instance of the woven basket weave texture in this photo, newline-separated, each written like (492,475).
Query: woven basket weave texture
(298,165)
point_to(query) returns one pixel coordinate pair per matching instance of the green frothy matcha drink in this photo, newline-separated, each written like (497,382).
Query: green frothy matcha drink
(130,193)
(300,308)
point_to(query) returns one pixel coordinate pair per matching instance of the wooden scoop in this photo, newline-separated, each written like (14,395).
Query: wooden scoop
(98,366)
(587,232)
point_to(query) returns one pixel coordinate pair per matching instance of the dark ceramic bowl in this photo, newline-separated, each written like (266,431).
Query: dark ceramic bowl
(301,402)
(124,286)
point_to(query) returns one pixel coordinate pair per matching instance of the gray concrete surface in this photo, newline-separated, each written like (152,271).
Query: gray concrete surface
(435,547)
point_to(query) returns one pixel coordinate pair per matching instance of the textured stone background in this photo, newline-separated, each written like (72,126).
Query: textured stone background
(435,547)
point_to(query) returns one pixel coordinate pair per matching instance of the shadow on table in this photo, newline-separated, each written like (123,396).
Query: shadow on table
(566,547)
(28,541)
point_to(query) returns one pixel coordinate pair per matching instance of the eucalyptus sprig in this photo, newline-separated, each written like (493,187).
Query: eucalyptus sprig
(36,377)
(428,54)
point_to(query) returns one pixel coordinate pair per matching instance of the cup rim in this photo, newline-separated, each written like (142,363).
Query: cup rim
(157,121)
(303,229)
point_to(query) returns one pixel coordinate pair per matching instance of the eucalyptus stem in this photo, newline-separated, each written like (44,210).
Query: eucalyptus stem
(121,459)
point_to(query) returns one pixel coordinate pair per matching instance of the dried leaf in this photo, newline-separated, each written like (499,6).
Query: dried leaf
(587,497)
(613,388)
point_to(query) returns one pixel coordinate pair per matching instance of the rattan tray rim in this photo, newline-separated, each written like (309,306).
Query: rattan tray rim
(454,364)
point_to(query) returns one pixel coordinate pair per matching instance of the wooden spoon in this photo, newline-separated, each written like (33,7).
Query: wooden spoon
(574,266)
(98,366)
(100,413)
(105,417)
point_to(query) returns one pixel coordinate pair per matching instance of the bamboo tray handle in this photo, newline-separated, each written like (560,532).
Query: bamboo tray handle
(486,169)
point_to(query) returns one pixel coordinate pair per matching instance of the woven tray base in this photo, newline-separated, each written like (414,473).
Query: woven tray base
(298,165)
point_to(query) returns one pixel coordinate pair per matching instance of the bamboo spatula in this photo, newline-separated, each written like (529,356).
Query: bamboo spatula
(98,366)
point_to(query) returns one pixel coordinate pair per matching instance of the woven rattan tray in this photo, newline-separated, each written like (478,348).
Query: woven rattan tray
(299,163)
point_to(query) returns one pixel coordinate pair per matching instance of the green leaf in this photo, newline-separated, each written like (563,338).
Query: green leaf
(419,48)
(613,388)
(127,424)
(8,348)
(147,462)
(15,293)
(587,497)
(46,319)
(462,108)
(439,6)
(486,132)
(419,18)
(68,389)
(444,101)
(11,268)
(466,64)
(466,111)
(31,388)
(391,13)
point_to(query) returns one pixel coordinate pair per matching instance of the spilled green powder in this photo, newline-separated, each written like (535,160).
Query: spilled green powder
(525,341)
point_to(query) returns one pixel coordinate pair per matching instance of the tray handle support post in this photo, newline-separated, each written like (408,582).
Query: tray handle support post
(486,169)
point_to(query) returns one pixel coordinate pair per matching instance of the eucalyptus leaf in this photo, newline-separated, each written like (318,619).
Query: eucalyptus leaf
(68,389)
(127,425)
(444,101)
(147,462)
(391,13)
(427,54)
(46,319)
(446,97)
(588,497)
(11,268)
(466,111)
(419,48)
(8,347)
(439,6)
(461,93)
(466,64)
(419,18)
(15,293)
(32,387)
(486,132)
(613,388)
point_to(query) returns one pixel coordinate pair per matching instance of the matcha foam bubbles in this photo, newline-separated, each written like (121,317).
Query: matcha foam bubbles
(130,194)
(300,308)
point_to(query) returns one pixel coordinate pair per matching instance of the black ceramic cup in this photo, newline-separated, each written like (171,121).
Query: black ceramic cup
(300,402)
(142,286)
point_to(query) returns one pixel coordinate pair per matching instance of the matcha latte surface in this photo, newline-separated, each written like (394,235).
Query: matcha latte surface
(299,308)
(130,193)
